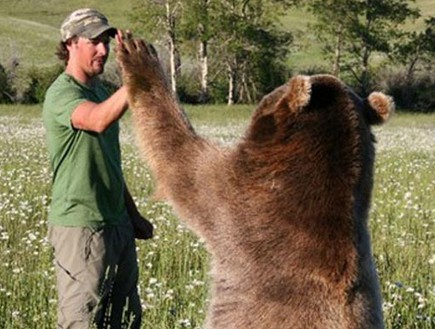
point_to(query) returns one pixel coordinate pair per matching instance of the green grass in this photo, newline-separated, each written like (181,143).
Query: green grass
(173,266)
(218,114)
(410,119)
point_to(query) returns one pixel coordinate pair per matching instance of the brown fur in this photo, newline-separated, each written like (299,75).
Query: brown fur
(284,212)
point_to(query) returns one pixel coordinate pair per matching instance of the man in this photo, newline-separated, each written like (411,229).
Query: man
(93,220)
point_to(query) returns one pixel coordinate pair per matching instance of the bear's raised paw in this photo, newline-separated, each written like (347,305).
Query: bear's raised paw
(139,63)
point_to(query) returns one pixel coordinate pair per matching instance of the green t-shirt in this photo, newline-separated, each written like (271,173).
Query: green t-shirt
(88,185)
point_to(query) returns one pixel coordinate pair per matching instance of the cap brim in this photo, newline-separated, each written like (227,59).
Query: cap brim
(96,32)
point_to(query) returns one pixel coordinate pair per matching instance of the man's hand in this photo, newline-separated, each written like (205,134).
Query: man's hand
(143,229)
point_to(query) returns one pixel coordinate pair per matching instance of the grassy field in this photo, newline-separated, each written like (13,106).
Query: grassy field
(173,266)
(29,28)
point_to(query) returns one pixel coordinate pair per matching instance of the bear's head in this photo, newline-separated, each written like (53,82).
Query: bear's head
(314,135)
(303,96)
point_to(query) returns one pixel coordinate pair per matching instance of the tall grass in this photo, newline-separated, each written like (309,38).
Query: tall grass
(173,266)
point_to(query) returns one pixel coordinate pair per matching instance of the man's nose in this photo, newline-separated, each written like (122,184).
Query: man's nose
(103,48)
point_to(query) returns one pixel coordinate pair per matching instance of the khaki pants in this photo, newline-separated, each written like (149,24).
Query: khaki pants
(97,277)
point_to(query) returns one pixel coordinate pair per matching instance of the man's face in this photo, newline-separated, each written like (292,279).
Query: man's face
(90,55)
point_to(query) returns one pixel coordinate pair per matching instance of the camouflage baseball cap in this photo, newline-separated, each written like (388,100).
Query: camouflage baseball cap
(86,22)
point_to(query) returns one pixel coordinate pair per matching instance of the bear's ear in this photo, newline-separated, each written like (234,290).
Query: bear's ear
(297,94)
(378,108)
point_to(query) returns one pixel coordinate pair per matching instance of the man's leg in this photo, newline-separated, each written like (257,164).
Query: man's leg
(81,268)
(126,307)
(97,276)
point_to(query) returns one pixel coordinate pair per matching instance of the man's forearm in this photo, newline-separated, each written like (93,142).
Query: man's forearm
(98,117)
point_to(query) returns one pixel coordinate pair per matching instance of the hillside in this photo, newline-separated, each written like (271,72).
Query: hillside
(29,28)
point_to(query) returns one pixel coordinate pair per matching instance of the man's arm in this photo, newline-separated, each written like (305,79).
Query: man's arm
(143,229)
(98,117)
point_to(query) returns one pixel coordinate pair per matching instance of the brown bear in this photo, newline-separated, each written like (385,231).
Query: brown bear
(284,212)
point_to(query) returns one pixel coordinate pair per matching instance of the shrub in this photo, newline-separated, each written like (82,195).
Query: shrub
(218,91)
(111,78)
(31,84)
(5,88)
(412,93)
(312,70)
(188,86)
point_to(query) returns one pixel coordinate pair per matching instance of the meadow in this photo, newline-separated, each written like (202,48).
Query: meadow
(174,265)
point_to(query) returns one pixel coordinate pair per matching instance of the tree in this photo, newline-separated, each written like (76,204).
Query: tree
(252,47)
(329,29)
(239,37)
(198,24)
(360,28)
(153,16)
(415,48)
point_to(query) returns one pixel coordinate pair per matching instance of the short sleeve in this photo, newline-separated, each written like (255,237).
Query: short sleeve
(61,100)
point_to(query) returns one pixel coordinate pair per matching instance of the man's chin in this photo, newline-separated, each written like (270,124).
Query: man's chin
(98,70)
